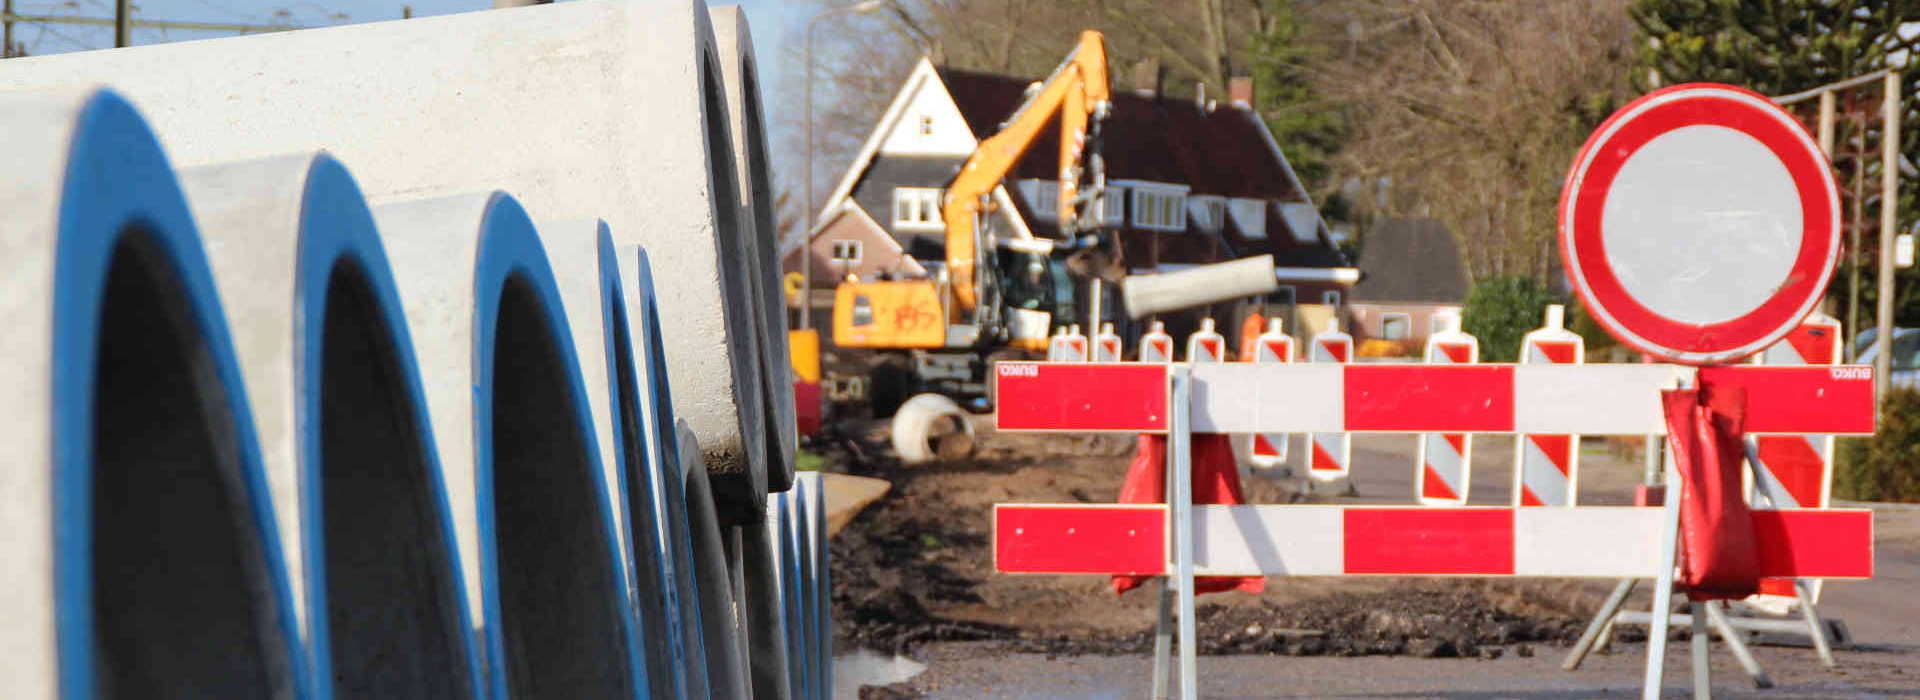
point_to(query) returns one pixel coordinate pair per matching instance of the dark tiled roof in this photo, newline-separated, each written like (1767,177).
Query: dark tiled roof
(1410,260)
(1221,151)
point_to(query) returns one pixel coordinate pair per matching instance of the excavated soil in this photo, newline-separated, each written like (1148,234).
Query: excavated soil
(916,567)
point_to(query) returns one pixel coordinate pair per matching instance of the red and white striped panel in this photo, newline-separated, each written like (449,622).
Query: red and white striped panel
(1106,345)
(1795,471)
(1241,398)
(1330,452)
(1547,467)
(1444,470)
(1206,345)
(1273,347)
(1293,540)
(1067,346)
(1156,347)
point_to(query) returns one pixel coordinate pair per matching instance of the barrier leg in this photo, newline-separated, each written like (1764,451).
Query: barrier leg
(1606,635)
(1663,586)
(1180,446)
(1163,640)
(1602,622)
(1815,628)
(1716,614)
(1702,670)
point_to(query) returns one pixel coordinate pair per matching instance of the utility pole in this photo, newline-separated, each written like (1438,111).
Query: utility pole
(122,23)
(1889,202)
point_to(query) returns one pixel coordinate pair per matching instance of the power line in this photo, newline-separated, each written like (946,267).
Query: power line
(152,24)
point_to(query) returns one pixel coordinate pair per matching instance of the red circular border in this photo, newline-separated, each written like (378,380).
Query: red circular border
(1627,318)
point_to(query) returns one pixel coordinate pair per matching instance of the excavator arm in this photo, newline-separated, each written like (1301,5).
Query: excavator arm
(1078,92)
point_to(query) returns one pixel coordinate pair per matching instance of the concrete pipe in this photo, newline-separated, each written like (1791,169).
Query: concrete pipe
(727,675)
(1145,295)
(603,109)
(135,520)
(792,608)
(503,386)
(735,42)
(820,555)
(665,591)
(325,351)
(765,606)
(929,427)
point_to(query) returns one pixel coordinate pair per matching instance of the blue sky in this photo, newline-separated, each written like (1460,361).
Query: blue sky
(774,21)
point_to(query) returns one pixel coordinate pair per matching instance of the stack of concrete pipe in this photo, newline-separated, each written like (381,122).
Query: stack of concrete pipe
(439,358)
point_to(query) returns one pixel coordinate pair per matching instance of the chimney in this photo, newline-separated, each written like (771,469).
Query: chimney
(1146,78)
(1240,91)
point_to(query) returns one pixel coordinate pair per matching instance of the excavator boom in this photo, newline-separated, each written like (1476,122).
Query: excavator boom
(1076,91)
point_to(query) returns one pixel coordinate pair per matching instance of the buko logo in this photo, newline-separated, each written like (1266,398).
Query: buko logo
(1007,370)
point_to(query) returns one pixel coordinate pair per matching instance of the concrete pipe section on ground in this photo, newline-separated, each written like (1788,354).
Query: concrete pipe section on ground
(142,552)
(328,360)
(412,425)
(600,109)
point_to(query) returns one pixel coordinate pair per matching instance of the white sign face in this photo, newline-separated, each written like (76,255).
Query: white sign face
(1700,223)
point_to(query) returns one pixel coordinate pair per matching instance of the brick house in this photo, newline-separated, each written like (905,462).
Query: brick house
(1412,278)
(1189,182)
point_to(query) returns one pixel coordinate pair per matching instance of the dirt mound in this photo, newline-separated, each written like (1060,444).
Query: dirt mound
(917,566)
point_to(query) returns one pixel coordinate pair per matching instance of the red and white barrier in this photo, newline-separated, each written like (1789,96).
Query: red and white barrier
(1595,542)
(1067,345)
(1269,450)
(1444,468)
(1156,347)
(1106,345)
(1329,453)
(1206,345)
(1795,471)
(1546,468)
(1611,399)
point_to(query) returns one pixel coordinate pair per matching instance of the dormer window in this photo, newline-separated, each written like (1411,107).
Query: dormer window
(1207,211)
(1250,216)
(1164,210)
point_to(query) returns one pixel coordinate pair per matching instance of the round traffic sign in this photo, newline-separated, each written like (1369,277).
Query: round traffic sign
(1700,223)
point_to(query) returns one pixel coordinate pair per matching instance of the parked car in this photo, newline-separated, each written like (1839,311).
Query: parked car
(1906,355)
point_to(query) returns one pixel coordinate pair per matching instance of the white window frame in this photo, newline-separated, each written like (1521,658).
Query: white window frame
(1293,295)
(1114,209)
(1159,209)
(1250,215)
(1207,212)
(858,248)
(1044,197)
(1330,298)
(921,205)
(1406,321)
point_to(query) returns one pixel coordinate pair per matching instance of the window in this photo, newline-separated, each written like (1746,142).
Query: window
(1046,199)
(1166,211)
(916,209)
(1250,216)
(1282,295)
(847,251)
(1395,327)
(1113,211)
(1208,212)
(1330,298)
(926,126)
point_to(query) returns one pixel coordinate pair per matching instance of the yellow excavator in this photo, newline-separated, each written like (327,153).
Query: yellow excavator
(999,298)
(939,332)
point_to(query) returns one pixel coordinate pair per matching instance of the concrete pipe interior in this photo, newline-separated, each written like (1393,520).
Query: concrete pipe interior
(393,602)
(739,481)
(183,602)
(559,598)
